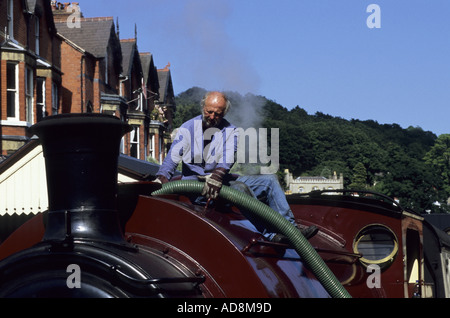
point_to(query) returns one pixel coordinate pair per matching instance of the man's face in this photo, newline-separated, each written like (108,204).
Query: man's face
(213,111)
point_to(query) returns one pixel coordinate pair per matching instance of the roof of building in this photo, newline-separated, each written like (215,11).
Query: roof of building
(146,61)
(93,35)
(129,50)
(150,73)
(165,83)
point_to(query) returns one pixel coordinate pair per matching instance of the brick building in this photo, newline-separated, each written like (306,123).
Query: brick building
(161,108)
(166,105)
(30,69)
(91,63)
(54,60)
(113,77)
(132,88)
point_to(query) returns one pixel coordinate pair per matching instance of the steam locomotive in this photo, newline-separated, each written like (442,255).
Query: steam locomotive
(140,239)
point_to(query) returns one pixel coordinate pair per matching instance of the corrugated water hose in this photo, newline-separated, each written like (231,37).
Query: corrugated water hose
(307,253)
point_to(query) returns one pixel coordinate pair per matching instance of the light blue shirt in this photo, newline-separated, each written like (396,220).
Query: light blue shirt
(188,147)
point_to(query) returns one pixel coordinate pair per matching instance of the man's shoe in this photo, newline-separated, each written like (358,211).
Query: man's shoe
(309,231)
(306,232)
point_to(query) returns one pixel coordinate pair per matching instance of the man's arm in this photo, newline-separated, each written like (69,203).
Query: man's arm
(180,147)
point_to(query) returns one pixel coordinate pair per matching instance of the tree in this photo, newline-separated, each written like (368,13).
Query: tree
(438,157)
(410,179)
(410,164)
(188,105)
(359,180)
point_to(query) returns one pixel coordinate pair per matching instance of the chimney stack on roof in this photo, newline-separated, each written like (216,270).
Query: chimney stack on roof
(61,11)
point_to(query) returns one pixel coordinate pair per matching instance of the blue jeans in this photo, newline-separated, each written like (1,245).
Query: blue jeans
(267,189)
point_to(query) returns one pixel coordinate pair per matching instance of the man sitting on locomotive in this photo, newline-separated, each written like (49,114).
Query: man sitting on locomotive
(199,162)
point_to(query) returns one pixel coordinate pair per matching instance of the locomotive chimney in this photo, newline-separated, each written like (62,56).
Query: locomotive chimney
(81,155)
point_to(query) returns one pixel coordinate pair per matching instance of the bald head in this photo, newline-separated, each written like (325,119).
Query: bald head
(214,107)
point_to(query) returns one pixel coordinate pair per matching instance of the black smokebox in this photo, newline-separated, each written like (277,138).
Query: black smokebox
(81,155)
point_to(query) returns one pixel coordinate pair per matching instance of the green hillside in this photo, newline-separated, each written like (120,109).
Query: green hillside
(410,164)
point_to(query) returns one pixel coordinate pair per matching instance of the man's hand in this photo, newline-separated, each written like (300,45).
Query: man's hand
(213,183)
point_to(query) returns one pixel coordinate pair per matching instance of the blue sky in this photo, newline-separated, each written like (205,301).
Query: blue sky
(317,54)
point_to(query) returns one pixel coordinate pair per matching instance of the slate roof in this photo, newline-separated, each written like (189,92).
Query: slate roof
(164,83)
(92,36)
(128,51)
(149,71)
(146,59)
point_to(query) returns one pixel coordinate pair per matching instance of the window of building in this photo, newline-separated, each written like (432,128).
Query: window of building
(29,88)
(151,148)
(10,18)
(40,98)
(55,99)
(134,143)
(12,91)
(37,35)
(160,143)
